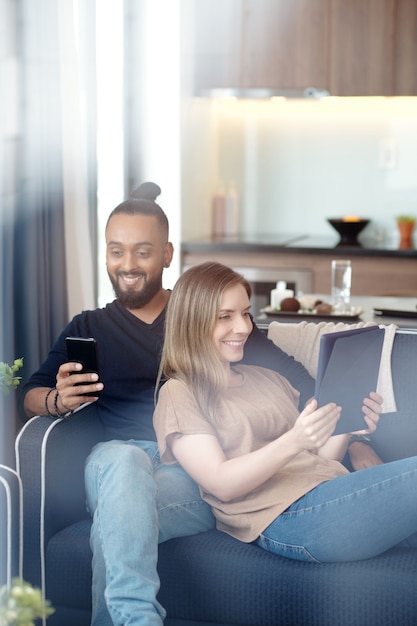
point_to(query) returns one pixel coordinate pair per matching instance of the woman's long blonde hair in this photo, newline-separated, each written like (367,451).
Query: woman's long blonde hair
(188,353)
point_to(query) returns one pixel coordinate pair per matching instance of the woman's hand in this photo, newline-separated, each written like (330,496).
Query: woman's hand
(337,446)
(315,426)
(372,407)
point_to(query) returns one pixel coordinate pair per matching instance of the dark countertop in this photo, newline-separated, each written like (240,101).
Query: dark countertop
(293,244)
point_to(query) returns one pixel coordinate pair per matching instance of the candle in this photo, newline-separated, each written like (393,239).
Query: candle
(279,293)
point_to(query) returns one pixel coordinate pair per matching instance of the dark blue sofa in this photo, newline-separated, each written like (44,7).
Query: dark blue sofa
(211,579)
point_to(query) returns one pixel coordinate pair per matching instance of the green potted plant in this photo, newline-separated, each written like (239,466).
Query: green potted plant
(22,604)
(8,378)
(406,224)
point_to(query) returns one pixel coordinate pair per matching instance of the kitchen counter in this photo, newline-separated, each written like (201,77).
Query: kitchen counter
(293,244)
(378,268)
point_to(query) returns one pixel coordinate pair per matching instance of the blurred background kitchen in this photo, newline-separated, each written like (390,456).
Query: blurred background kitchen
(295,163)
(304,109)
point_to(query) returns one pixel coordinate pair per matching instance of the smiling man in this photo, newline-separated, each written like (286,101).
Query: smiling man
(135,501)
(137,249)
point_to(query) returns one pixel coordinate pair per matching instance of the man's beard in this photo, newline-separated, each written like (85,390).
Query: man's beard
(132,299)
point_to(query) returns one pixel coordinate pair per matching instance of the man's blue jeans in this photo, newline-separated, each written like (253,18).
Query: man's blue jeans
(353,517)
(136,502)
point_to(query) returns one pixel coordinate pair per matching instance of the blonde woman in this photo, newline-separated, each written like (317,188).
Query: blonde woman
(271,473)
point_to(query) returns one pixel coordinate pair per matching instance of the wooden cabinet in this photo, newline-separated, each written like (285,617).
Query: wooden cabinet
(286,44)
(405,51)
(350,47)
(361,48)
(261,44)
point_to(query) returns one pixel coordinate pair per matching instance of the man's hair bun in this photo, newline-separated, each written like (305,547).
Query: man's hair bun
(146,191)
(142,202)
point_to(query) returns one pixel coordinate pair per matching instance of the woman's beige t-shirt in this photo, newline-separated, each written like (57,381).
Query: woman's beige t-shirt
(251,415)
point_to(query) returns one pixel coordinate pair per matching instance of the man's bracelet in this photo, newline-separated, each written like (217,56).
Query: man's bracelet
(48,393)
(57,411)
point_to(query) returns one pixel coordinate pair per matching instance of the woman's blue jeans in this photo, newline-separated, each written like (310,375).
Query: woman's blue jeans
(353,517)
(136,502)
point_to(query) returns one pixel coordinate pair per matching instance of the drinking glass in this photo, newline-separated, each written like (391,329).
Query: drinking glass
(341,283)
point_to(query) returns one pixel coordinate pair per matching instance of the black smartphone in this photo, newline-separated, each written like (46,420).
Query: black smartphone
(85,351)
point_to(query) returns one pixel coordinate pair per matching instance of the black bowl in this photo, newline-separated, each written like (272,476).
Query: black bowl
(347,230)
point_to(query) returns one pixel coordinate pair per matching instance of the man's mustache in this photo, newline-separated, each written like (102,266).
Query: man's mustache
(135,274)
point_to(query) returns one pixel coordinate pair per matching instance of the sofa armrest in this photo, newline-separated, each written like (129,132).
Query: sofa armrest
(10,525)
(50,458)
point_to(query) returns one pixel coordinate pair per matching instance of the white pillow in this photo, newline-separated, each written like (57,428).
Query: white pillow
(302,341)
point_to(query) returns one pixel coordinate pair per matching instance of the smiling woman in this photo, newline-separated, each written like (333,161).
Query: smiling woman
(271,471)
(207,325)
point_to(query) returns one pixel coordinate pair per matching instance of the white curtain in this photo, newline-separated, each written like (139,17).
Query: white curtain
(47,179)
(76,63)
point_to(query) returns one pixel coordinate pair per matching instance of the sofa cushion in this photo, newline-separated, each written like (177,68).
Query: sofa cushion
(216,578)
(68,566)
(212,577)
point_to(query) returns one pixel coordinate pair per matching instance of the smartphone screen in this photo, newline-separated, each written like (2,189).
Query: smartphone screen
(85,351)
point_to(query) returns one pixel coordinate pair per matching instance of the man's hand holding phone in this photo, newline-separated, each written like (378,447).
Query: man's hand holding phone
(78,380)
